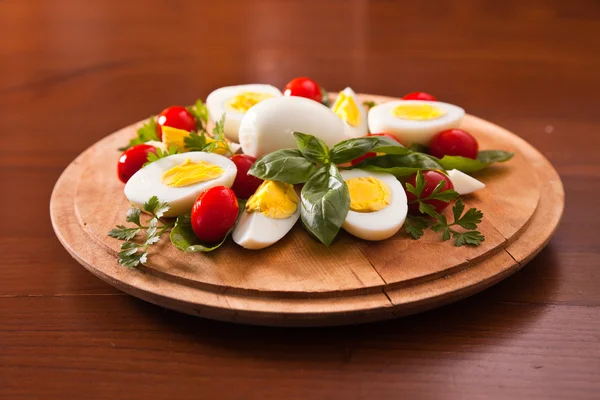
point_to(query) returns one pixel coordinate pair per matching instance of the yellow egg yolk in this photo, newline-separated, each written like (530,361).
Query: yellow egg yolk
(274,200)
(345,107)
(368,194)
(418,112)
(190,173)
(243,101)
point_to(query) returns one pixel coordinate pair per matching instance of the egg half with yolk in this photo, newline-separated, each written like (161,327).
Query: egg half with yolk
(378,204)
(234,102)
(179,179)
(414,121)
(352,112)
(270,214)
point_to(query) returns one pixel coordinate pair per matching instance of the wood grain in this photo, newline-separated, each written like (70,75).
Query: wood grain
(71,71)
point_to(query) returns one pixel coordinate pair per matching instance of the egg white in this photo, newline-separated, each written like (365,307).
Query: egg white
(147,182)
(382,224)
(362,129)
(463,183)
(217,104)
(256,231)
(268,126)
(381,119)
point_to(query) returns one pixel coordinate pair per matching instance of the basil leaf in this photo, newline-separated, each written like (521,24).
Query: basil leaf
(484,159)
(420,148)
(390,146)
(288,165)
(400,165)
(183,236)
(350,149)
(312,148)
(325,202)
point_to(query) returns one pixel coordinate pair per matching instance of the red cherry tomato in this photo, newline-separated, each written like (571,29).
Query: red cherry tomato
(214,213)
(419,96)
(432,178)
(372,154)
(175,117)
(132,160)
(454,142)
(244,185)
(303,87)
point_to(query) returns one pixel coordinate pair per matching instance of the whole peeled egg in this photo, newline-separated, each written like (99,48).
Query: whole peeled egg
(414,121)
(268,126)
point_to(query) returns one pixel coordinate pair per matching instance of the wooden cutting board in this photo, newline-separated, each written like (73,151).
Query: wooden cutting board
(300,282)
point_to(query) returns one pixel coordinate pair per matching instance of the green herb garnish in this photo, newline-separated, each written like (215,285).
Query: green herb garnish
(415,225)
(161,154)
(484,159)
(145,133)
(132,254)
(369,104)
(200,113)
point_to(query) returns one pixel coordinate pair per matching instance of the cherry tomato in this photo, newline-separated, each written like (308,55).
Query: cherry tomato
(214,213)
(175,117)
(453,142)
(419,96)
(303,87)
(432,178)
(372,154)
(132,160)
(244,185)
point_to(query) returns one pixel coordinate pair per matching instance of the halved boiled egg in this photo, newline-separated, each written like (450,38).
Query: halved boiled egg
(414,121)
(270,213)
(351,111)
(179,179)
(235,101)
(378,204)
(269,125)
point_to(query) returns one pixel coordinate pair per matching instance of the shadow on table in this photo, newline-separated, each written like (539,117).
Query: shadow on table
(487,319)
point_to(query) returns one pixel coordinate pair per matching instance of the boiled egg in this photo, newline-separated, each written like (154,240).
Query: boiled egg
(414,121)
(463,183)
(378,204)
(179,179)
(234,102)
(270,213)
(269,125)
(351,111)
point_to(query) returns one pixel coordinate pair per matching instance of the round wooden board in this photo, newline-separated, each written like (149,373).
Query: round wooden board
(298,281)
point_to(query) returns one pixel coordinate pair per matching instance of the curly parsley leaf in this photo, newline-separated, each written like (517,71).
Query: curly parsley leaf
(133,254)
(145,133)
(369,104)
(416,225)
(200,113)
(161,154)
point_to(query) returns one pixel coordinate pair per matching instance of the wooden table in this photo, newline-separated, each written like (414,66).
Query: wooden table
(72,71)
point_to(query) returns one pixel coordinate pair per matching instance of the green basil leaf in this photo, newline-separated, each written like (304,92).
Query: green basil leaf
(325,202)
(484,159)
(400,165)
(183,236)
(288,165)
(312,148)
(389,146)
(350,149)
(419,148)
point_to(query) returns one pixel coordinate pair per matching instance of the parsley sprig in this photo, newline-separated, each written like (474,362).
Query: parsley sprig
(415,225)
(200,142)
(160,154)
(132,254)
(145,133)
(200,112)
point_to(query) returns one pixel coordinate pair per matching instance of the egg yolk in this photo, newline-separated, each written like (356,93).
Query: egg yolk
(345,107)
(274,200)
(243,101)
(368,194)
(418,112)
(190,173)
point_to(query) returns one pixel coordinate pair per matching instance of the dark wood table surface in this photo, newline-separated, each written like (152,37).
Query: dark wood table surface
(73,71)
